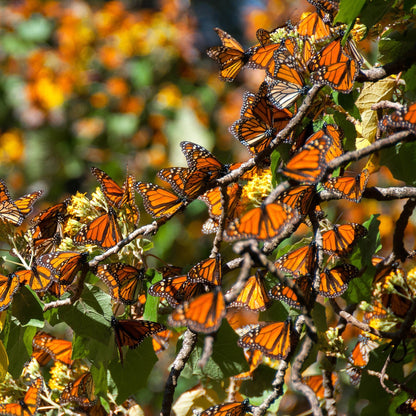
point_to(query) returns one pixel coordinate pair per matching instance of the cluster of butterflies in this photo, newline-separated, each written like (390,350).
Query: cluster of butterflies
(80,392)
(404,119)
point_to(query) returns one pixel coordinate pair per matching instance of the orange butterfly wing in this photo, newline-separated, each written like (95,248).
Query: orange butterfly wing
(334,282)
(159,202)
(25,203)
(308,164)
(341,239)
(314,27)
(30,403)
(8,209)
(64,265)
(102,231)
(299,262)
(231,55)
(227,409)
(123,281)
(273,339)
(201,314)
(80,391)
(176,289)
(8,287)
(253,295)
(298,197)
(38,278)
(207,271)
(264,222)
(287,295)
(348,187)
(131,332)
(57,349)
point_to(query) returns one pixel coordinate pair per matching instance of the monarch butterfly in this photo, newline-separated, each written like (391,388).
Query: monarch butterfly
(160,340)
(123,281)
(38,278)
(298,197)
(46,346)
(118,197)
(308,164)
(348,187)
(275,340)
(341,239)
(8,209)
(102,231)
(327,6)
(331,66)
(45,224)
(176,289)
(254,359)
(201,160)
(188,183)
(80,391)
(231,56)
(286,85)
(201,314)
(264,54)
(287,295)
(334,282)
(131,332)
(253,296)
(28,405)
(25,203)
(316,384)
(207,271)
(159,202)
(401,119)
(213,199)
(299,262)
(8,287)
(359,358)
(314,27)
(335,135)
(264,222)
(407,407)
(227,409)
(259,129)
(377,312)
(64,265)
(169,270)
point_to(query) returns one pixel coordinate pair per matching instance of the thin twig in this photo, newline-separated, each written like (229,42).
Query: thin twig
(189,341)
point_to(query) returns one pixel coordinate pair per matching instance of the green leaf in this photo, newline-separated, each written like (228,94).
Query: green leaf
(132,376)
(275,162)
(121,125)
(398,159)
(16,346)
(410,77)
(349,11)
(86,347)
(374,10)
(36,29)
(99,374)
(227,357)
(4,361)
(258,389)
(152,302)
(394,45)
(89,317)
(319,317)
(27,308)
(360,288)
